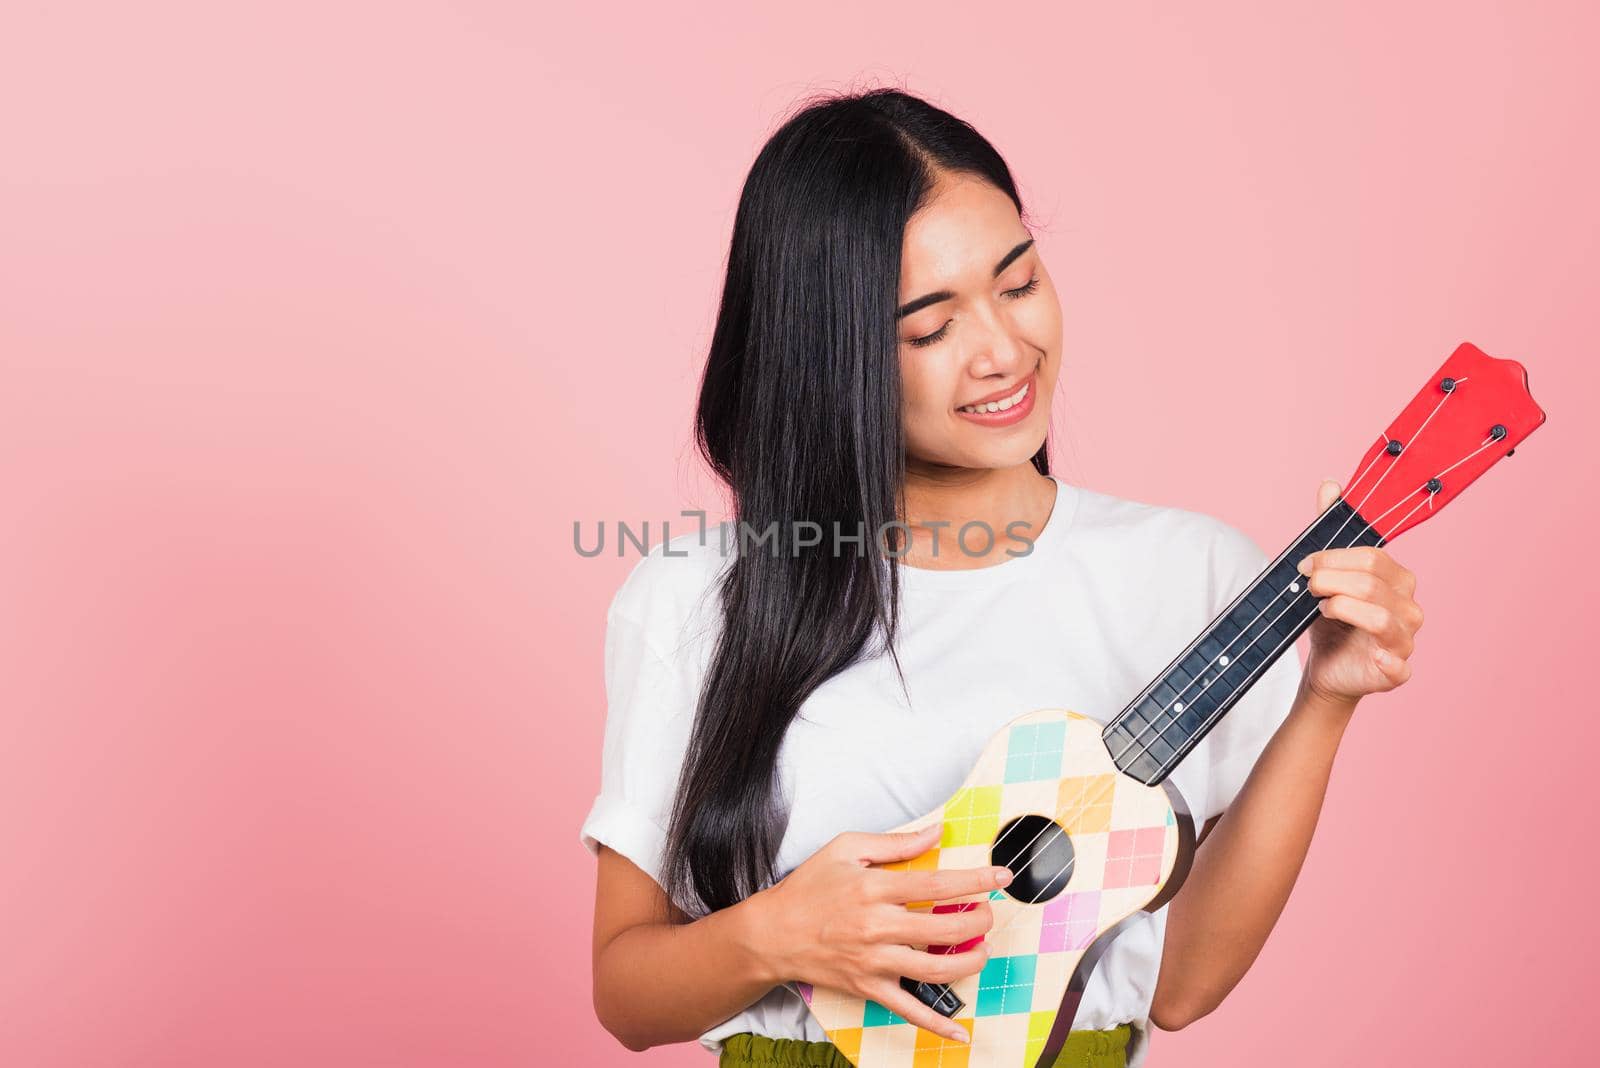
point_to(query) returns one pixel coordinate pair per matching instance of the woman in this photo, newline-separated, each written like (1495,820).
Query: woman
(880,375)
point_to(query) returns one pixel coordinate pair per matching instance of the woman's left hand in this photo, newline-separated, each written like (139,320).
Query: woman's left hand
(1369,618)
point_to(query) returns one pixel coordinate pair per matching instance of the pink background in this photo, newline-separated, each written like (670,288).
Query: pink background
(320,324)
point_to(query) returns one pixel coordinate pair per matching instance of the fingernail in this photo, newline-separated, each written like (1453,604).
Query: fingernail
(1380,654)
(959,1034)
(1304,566)
(1002,877)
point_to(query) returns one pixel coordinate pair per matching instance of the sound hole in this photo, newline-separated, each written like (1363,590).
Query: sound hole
(1039,853)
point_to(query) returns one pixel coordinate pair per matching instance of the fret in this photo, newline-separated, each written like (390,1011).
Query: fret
(1190,695)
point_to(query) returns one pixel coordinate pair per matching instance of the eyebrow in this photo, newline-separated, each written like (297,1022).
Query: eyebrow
(945,294)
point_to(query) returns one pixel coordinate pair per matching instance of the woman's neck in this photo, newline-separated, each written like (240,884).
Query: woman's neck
(939,501)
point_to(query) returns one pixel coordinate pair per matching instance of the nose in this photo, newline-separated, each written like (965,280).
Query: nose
(1000,350)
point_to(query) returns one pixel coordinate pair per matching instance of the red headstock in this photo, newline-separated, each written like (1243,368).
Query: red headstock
(1474,410)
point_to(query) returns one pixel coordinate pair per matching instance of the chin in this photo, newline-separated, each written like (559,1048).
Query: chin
(1000,457)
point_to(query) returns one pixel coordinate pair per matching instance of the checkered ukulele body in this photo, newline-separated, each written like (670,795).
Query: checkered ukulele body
(1125,837)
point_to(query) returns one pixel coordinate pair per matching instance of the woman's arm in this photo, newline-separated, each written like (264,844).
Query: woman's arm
(1247,864)
(834,921)
(1218,922)
(659,978)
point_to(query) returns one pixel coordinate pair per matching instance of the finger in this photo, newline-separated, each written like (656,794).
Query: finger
(1356,558)
(893,845)
(1363,585)
(894,998)
(1327,493)
(1406,582)
(971,922)
(903,886)
(1396,669)
(1375,619)
(944,968)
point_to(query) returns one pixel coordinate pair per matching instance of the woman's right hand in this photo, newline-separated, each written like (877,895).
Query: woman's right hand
(835,922)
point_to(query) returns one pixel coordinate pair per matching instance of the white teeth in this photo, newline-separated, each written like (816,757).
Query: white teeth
(1000,405)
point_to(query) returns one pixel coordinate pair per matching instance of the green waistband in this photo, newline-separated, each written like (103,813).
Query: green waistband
(1083,1049)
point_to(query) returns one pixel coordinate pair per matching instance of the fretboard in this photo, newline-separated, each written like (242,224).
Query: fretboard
(1192,694)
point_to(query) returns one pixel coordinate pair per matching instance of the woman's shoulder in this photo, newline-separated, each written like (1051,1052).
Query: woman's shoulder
(1126,520)
(1165,537)
(670,593)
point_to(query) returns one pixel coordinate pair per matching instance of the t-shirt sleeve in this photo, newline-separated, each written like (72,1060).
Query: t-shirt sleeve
(1238,739)
(649,710)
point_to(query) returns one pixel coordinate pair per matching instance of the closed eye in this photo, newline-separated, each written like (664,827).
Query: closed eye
(1011,294)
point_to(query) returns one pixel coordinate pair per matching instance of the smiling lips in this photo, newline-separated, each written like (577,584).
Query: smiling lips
(1003,410)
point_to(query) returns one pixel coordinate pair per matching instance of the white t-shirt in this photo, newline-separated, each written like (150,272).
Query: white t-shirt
(1112,590)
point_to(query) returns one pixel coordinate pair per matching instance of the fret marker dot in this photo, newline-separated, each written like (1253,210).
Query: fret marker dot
(1222,660)
(1294,587)
(1178,707)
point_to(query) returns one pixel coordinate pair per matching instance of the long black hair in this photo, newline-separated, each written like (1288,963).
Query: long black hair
(799,413)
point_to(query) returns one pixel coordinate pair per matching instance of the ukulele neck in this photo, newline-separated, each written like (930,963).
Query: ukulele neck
(1149,738)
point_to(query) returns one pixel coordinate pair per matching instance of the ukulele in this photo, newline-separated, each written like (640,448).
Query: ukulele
(1085,816)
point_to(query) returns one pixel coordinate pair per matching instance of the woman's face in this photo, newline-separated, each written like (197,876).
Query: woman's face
(978,363)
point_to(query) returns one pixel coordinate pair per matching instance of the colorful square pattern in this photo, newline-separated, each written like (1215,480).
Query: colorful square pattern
(972,817)
(848,1039)
(1039,1024)
(1006,985)
(1050,763)
(1133,858)
(936,1051)
(1084,803)
(1070,922)
(1034,751)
